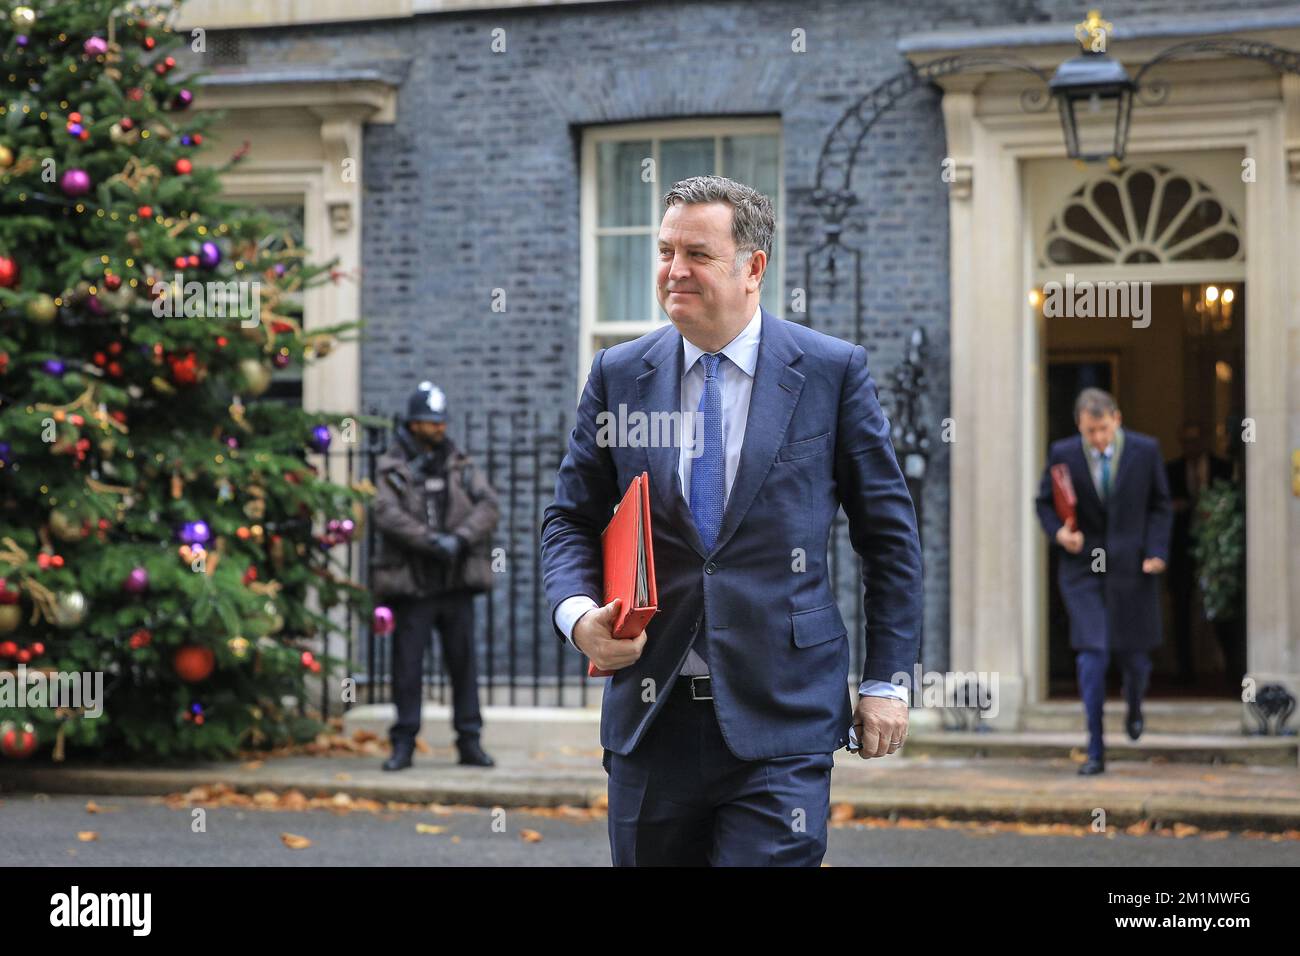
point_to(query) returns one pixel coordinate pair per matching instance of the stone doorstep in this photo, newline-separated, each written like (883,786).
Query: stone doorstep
(1184,748)
(551,728)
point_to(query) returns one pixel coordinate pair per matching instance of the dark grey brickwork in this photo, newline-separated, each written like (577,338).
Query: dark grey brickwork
(476,187)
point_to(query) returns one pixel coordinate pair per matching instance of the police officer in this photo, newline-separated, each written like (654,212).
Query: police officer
(435,513)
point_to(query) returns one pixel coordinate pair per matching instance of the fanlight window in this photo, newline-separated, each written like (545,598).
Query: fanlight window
(1140,215)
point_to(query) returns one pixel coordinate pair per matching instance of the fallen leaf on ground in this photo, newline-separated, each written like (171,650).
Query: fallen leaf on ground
(87,836)
(251,765)
(429,828)
(294,842)
(530,836)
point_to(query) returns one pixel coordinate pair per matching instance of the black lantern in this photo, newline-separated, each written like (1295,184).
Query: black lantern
(1096,91)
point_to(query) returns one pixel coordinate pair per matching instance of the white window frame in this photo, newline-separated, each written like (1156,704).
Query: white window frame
(656,132)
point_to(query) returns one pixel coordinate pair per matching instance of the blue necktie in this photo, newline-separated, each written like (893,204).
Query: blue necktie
(1105,476)
(708,473)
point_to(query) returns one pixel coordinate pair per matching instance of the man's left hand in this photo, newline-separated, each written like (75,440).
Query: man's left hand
(1153,566)
(881,724)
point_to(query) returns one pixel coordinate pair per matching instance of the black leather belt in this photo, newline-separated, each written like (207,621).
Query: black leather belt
(695,688)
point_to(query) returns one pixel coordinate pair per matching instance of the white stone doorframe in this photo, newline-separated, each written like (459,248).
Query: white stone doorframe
(305,134)
(998,552)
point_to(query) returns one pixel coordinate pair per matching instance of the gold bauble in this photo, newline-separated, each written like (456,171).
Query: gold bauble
(239,646)
(123,137)
(69,608)
(42,309)
(65,526)
(6,157)
(255,376)
(23,19)
(11,615)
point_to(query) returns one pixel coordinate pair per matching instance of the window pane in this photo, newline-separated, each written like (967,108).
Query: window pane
(624,199)
(754,161)
(625,271)
(683,158)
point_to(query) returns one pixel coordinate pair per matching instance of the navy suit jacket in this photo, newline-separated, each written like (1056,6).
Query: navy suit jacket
(1120,607)
(816,438)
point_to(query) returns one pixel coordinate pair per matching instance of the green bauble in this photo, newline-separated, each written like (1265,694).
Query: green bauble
(42,309)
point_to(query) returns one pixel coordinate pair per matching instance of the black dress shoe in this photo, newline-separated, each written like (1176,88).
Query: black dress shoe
(473,755)
(401,757)
(1089,767)
(1134,725)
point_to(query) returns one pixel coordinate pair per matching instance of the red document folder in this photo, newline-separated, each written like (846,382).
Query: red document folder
(1063,496)
(628,550)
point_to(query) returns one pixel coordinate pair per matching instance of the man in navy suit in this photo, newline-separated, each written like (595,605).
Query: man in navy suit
(1107,574)
(721,721)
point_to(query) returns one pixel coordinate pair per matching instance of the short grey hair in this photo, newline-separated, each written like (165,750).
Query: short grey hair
(1095,402)
(753,222)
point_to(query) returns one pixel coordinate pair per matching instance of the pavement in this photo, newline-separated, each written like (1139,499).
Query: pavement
(1131,792)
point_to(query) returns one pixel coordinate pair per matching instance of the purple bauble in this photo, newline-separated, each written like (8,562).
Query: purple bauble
(320,438)
(383,620)
(21,40)
(54,366)
(94,306)
(187,140)
(6,453)
(347,526)
(137,582)
(280,360)
(232,442)
(74,130)
(209,255)
(183,99)
(279,268)
(95,46)
(195,532)
(75,182)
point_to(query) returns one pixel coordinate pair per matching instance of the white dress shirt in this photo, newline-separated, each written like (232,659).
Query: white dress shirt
(737,374)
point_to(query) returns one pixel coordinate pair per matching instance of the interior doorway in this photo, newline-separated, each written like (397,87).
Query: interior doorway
(1178,374)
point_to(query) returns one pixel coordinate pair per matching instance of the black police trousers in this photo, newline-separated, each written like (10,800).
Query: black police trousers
(452,614)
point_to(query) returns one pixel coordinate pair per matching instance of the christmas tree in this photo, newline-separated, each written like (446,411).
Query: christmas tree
(160,524)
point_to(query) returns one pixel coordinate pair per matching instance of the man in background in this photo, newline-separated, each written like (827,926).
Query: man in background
(435,513)
(1107,573)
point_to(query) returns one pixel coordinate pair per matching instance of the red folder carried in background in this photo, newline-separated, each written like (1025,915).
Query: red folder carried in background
(1063,496)
(628,550)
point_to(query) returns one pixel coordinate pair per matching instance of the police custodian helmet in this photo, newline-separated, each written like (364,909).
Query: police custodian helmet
(427,403)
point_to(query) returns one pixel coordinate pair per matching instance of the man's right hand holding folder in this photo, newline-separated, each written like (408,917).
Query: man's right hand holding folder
(594,635)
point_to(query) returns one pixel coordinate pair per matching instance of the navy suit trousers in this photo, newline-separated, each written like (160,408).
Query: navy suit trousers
(1091,667)
(682,798)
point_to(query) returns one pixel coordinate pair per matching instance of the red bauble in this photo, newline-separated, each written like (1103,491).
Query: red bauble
(126,123)
(184,167)
(8,648)
(17,742)
(112,282)
(8,273)
(145,212)
(194,663)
